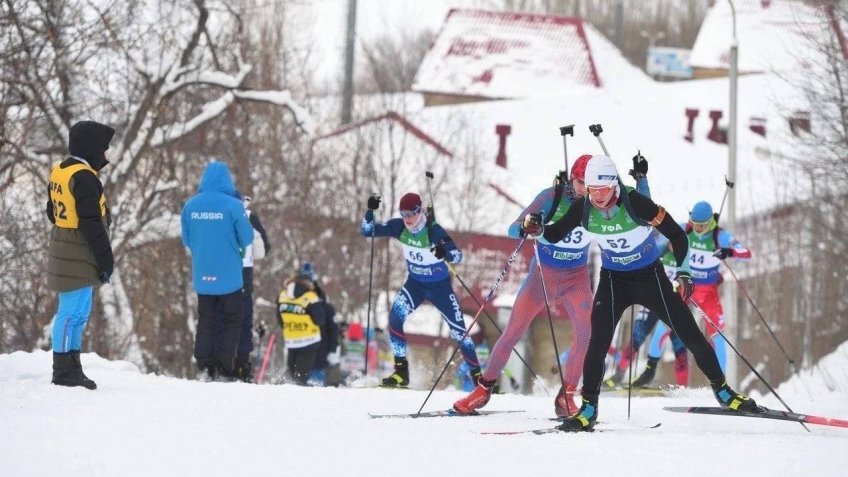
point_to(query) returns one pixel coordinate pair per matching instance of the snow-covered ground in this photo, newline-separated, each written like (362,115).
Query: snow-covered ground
(145,425)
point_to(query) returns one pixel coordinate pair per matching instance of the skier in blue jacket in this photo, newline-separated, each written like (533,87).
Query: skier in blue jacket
(216,229)
(426,248)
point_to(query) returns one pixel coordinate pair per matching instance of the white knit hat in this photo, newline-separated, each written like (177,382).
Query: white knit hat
(600,172)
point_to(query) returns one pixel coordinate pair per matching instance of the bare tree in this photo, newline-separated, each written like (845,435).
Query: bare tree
(160,75)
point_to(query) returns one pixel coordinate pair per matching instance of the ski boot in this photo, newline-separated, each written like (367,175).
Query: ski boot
(564,404)
(400,378)
(615,380)
(584,419)
(476,374)
(648,375)
(478,398)
(730,399)
(67,371)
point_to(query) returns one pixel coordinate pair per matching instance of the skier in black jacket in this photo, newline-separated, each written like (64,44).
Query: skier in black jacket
(623,222)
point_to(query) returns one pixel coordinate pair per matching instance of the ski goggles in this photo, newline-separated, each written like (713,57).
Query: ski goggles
(600,190)
(700,225)
(408,214)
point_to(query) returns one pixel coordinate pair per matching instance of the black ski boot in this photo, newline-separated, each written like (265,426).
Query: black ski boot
(614,381)
(67,371)
(730,399)
(400,378)
(648,375)
(584,419)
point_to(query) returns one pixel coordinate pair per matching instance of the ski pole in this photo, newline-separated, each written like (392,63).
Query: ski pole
(492,320)
(550,318)
(265,358)
(563,131)
(630,364)
(370,283)
(431,211)
(728,185)
(476,316)
(738,353)
(750,300)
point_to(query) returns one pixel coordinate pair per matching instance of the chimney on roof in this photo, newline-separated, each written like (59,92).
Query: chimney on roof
(799,121)
(502,130)
(717,133)
(758,125)
(691,114)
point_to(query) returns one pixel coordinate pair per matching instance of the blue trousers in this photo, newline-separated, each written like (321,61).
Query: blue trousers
(71,318)
(441,295)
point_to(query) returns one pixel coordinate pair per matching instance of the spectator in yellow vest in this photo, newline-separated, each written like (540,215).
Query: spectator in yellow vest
(302,316)
(80,254)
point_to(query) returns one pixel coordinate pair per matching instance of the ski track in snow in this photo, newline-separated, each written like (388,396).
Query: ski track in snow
(142,425)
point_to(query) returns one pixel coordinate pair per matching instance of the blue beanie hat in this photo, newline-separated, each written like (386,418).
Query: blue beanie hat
(701,212)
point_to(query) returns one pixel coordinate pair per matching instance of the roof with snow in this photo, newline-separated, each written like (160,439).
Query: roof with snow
(495,54)
(770,34)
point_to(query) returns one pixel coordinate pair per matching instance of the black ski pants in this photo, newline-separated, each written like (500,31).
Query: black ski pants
(651,288)
(222,356)
(299,362)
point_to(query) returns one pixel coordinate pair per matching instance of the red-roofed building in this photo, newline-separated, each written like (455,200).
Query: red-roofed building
(480,55)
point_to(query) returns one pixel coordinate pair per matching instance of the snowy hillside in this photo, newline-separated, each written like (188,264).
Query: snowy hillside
(142,425)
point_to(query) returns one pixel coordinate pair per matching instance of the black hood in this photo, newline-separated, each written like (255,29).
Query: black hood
(90,140)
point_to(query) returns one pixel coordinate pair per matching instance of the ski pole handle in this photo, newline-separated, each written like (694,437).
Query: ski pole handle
(596,130)
(566,131)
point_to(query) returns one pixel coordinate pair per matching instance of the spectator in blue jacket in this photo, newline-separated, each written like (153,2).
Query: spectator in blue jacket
(216,230)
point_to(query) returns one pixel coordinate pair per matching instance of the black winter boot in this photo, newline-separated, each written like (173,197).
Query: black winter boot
(67,371)
(400,378)
(244,371)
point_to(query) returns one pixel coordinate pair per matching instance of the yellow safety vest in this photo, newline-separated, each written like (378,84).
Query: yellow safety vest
(64,203)
(298,328)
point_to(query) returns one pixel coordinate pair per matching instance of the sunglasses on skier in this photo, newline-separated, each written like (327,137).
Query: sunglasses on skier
(408,214)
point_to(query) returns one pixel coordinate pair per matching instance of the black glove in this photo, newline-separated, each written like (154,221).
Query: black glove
(640,167)
(439,251)
(685,287)
(104,277)
(532,225)
(374,202)
(723,253)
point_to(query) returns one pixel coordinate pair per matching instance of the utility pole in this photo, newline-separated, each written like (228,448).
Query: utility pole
(350,43)
(731,173)
(619,23)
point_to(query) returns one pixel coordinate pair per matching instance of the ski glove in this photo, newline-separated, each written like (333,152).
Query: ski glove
(439,251)
(374,202)
(104,277)
(640,167)
(723,253)
(532,225)
(334,358)
(685,287)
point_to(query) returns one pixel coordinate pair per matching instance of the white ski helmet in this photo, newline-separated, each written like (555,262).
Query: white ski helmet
(600,172)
